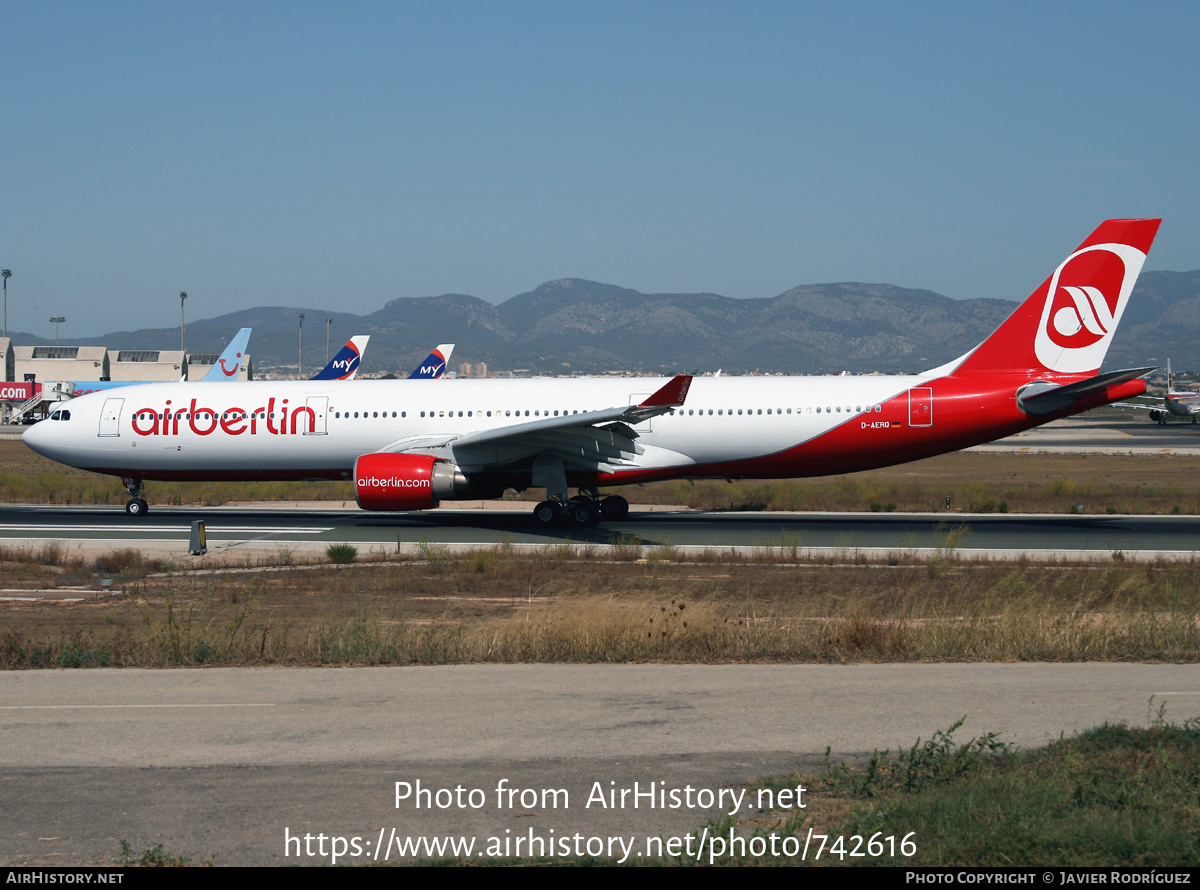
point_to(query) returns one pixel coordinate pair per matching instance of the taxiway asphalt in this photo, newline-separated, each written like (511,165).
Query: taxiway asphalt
(240,533)
(223,764)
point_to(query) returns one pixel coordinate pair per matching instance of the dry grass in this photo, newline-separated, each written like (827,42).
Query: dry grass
(496,606)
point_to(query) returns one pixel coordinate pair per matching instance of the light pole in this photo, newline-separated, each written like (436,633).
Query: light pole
(182,297)
(328,321)
(57,319)
(7,273)
(300,361)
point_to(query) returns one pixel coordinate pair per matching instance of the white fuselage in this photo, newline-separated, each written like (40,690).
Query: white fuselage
(315,429)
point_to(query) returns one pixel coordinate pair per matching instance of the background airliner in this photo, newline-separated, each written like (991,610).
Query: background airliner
(229,362)
(434,366)
(1177,403)
(344,365)
(408,446)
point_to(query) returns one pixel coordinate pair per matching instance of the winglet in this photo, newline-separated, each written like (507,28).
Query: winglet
(673,393)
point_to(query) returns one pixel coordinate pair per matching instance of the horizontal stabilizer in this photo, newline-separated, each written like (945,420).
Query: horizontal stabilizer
(1042,397)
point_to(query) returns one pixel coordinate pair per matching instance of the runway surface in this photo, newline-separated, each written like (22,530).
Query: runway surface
(222,762)
(1096,435)
(231,531)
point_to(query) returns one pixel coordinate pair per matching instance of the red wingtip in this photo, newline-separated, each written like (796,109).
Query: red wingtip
(672,394)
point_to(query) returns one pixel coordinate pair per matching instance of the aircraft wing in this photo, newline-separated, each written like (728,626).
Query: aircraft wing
(591,440)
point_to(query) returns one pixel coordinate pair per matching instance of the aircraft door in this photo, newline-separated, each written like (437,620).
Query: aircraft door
(110,417)
(319,406)
(920,406)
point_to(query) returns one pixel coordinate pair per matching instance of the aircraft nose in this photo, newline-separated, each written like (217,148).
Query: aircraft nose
(40,438)
(33,437)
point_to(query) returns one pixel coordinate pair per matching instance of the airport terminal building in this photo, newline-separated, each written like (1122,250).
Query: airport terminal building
(36,376)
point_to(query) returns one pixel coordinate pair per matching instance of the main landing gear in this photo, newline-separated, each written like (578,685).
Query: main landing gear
(137,505)
(585,509)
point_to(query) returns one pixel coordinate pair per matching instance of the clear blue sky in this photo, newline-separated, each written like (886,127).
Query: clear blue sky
(338,155)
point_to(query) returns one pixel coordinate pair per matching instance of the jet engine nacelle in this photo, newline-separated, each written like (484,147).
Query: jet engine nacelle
(1157,416)
(404,481)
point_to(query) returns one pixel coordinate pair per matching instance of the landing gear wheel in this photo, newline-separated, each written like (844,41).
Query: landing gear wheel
(137,506)
(546,513)
(614,507)
(583,512)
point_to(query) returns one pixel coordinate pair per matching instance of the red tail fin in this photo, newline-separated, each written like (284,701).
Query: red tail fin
(1067,324)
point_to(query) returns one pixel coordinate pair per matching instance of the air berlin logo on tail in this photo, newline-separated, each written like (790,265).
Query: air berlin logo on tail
(1089,319)
(1086,297)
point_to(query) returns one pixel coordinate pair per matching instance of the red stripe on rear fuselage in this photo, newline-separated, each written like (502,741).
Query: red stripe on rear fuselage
(966,412)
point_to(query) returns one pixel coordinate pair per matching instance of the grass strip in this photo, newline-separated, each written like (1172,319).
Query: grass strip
(564,604)
(1110,797)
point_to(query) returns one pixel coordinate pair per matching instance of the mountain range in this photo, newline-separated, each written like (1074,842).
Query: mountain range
(573,326)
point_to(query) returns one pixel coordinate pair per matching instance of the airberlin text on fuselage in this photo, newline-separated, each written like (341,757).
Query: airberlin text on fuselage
(233,421)
(392,482)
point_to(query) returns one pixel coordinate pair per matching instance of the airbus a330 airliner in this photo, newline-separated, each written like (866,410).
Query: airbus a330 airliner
(408,446)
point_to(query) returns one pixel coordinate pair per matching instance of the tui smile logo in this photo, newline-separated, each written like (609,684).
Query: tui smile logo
(226,371)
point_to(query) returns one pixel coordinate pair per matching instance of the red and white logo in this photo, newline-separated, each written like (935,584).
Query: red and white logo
(1086,297)
(227,372)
